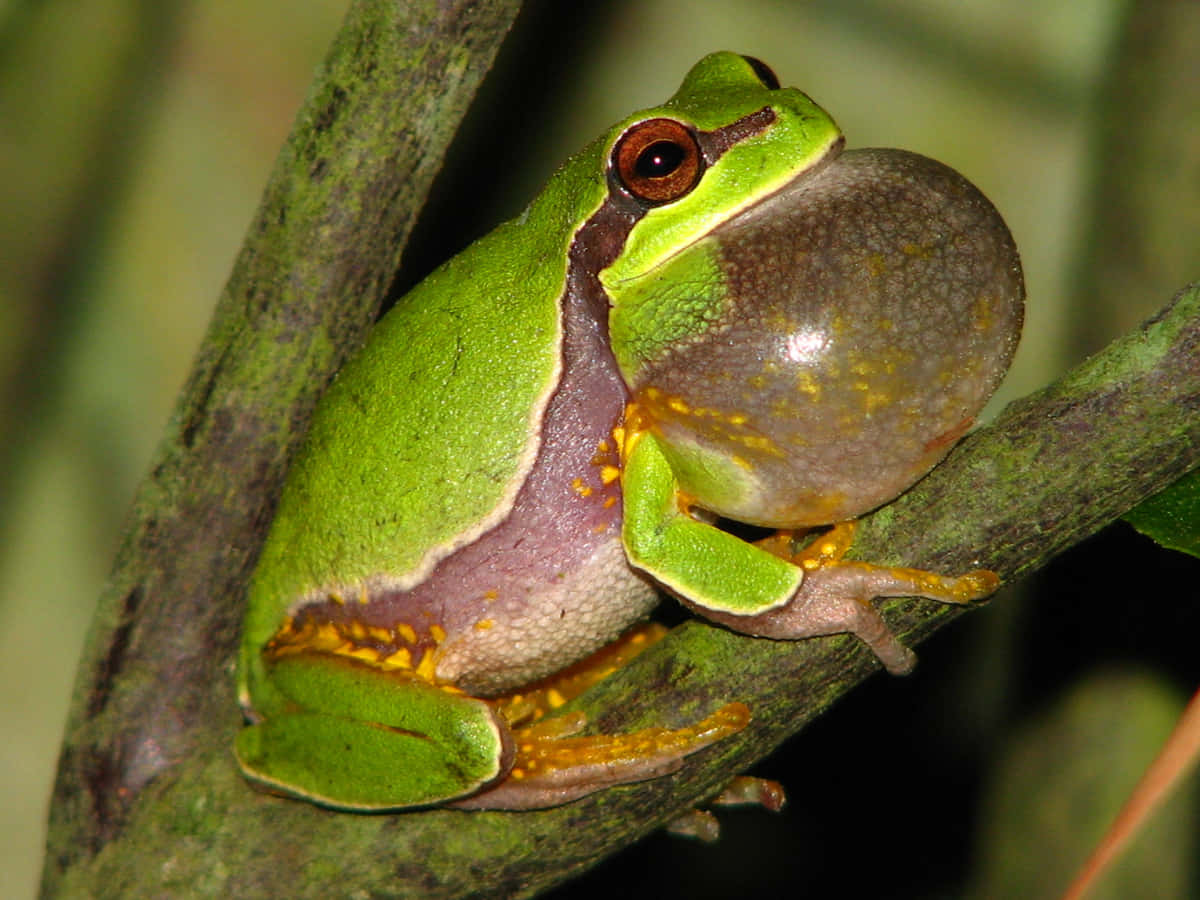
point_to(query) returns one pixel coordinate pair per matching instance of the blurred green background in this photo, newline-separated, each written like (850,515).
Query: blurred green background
(134,139)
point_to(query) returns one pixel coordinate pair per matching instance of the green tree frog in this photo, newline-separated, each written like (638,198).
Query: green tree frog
(711,312)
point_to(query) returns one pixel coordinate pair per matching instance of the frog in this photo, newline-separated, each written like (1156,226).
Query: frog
(714,313)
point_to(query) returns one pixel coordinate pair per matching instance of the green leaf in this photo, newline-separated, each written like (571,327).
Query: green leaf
(1172,517)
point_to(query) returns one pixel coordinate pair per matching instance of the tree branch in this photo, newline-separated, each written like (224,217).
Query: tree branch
(310,278)
(149,801)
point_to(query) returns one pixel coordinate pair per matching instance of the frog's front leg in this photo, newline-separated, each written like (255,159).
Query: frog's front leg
(759,590)
(836,596)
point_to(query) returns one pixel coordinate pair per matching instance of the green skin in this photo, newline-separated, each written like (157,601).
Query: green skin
(436,444)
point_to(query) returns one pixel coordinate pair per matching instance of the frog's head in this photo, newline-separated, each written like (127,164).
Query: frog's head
(806,331)
(730,137)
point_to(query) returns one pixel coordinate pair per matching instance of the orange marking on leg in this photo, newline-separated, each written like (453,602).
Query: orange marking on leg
(544,696)
(539,755)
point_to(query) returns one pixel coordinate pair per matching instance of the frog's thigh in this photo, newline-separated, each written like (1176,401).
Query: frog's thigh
(366,739)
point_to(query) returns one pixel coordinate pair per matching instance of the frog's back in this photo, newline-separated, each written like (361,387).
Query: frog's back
(428,429)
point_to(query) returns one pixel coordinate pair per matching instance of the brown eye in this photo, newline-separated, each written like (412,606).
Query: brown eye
(658,161)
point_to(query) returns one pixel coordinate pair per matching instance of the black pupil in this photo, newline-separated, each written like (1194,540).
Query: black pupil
(659,159)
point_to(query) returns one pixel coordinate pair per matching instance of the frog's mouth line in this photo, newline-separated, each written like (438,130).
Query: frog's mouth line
(784,190)
(800,180)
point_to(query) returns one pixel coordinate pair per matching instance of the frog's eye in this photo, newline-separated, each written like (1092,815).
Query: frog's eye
(658,161)
(764,72)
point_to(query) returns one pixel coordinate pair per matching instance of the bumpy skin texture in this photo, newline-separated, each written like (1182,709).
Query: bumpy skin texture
(453,521)
(882,298)
(479,504)
(550,582)
(426,439)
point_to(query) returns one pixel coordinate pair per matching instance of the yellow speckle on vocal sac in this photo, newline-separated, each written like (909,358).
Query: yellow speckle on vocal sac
(806,383)
(609,474)
(759,442)
(406,633)
(877,400)
(437,632)
(580,488)
(485,624)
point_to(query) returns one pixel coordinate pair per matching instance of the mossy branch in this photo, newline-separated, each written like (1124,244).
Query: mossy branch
(148,800)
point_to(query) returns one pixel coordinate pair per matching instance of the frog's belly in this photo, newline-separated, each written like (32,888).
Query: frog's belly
(544,588)
(517,639)
(550,583)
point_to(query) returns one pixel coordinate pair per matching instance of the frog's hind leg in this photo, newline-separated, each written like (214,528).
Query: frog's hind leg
(352,736)
(553,764)
(550,769)
(533,702)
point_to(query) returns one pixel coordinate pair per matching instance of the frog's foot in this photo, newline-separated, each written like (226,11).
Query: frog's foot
(539,699)
(835,596)
(742,790)
(551,769)
(747,790)
(697,824)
